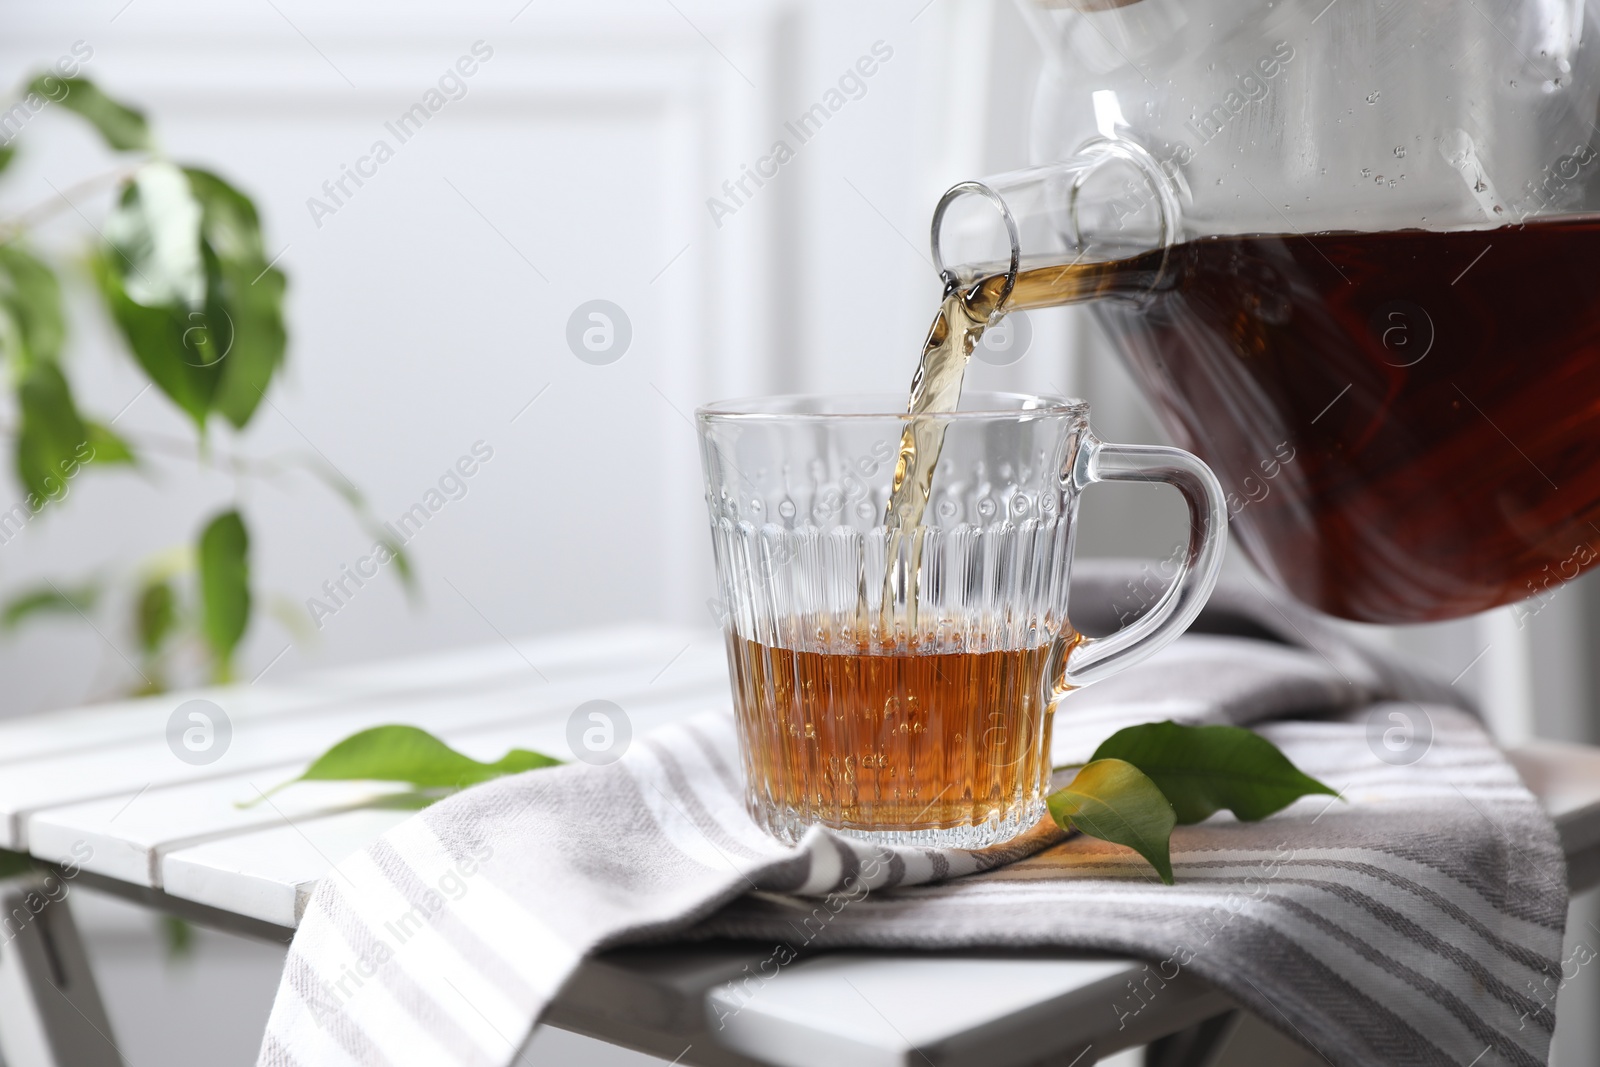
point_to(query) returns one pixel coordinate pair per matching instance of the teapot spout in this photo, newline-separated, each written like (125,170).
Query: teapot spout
(1031,237)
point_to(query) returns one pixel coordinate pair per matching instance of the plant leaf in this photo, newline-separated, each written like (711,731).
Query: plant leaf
(224,586)
(124,128)
(244,297)
(15,863)
(7,154)
(52,439)
(229,221)
(402,565)
(347,492)
(30,292)
(152,275)
(412,755)
(155,231)
(184,274)
(1203,769)
(155,336)
(47,600)
(155,614)
(179,938)
(107,445)
(1114,801)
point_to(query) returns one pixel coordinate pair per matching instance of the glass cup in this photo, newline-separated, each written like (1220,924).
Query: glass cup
(900,686)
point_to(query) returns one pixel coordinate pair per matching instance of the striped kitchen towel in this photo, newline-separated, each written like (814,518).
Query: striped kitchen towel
(1418,920)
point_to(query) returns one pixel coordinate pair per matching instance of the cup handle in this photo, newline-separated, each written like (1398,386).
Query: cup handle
(1093,659)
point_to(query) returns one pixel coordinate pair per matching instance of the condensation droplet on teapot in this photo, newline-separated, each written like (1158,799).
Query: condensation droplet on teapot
(1372,97)
(1366,172)
(1399,151)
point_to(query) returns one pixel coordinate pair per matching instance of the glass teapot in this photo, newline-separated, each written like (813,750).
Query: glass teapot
(1350,252)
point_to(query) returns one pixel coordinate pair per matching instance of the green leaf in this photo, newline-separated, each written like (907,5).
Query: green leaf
(47,600)
(402,565)
(229,220)
(107,446)
(185,276)
(15,863)
(224,586)
(1203,769)
(152,274)
(155,232)
(244,298)
(7,154)
(1114,801)
(357,503)
(414,756)
(52,439)
(155,614)
(179,938)
(30,292)
(124,128)
(155,336)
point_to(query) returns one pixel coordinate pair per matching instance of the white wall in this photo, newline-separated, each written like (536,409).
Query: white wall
(434,304)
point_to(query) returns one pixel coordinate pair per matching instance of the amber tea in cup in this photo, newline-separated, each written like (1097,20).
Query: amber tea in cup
(897,682)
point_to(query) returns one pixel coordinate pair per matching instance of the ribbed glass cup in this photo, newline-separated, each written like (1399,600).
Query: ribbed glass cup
(901,687)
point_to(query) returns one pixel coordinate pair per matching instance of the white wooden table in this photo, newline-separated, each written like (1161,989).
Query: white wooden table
(100,793)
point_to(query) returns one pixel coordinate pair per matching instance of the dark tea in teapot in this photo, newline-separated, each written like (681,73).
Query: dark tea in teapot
(1401,418)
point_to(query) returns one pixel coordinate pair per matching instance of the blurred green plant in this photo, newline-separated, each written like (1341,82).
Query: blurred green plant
(181,270)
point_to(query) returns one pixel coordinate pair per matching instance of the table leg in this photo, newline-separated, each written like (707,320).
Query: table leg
(1200,1045)
(50,1010)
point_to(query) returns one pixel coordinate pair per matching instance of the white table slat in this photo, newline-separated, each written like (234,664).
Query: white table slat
(110,725)
(871,1009)
(884,1010)
(267,890)
(269,875)
(129,836)
(264,743)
